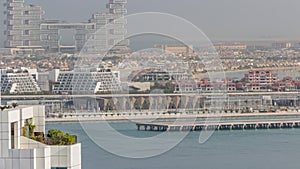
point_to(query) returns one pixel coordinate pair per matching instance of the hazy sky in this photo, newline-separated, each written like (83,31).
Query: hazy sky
(219,19)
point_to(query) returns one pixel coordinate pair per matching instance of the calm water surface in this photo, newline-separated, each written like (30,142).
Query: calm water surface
(255,149)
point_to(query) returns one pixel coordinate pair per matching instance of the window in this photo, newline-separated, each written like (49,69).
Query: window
(111,31)
(91,27)
(26,42)
(44,37)
(111,42)
(26,32)
(26,22)
(12,129)
(44,27)
(26,12)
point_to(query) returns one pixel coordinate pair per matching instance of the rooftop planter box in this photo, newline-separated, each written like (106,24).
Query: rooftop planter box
(57,137)
(54,137)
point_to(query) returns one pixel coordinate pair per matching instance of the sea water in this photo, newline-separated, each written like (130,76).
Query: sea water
(239,149)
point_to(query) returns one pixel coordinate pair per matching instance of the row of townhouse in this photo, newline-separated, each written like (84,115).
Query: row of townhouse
(258,80)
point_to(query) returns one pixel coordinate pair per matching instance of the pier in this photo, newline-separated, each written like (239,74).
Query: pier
(228,125)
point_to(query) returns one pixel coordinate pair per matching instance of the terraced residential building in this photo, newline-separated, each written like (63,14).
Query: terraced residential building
(19,81)
(86,82)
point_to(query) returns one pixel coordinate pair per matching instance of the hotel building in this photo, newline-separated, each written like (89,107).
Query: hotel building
(178,49)
(22,24)
(26,29)
(281,45)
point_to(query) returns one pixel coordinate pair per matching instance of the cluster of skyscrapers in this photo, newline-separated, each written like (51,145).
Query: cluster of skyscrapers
(27,29)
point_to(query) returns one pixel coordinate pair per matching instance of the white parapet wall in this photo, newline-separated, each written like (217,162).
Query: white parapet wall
(59,156)
(66,156)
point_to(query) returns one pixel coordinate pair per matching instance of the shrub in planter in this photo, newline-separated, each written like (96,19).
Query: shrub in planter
(31,129)
(24,131)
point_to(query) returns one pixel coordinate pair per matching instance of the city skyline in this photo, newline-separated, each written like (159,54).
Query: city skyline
(230,20)
(149,84)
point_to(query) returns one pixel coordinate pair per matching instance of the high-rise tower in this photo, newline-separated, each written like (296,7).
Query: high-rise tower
(25,28)
(110,27)
(117,31)
(22,24)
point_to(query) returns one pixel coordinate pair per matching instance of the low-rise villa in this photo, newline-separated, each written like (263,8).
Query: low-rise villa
(23,144)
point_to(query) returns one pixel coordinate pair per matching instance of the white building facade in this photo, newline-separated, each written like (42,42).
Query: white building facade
(19,81)
(26,29)
(81,81)
(22,23)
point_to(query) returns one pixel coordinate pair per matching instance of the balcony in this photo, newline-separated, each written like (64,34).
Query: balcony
(118,1)
(118,11)
(120,20)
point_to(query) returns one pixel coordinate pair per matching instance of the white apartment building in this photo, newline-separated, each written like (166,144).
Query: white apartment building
(81,81)
(260,79)
(22,24)
(20,152)
(16,81)
(110,28)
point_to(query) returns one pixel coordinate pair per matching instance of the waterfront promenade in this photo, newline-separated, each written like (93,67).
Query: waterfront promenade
(89,117)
